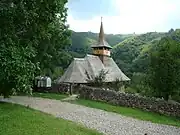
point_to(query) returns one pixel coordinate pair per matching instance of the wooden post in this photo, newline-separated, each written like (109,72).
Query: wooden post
(70,89)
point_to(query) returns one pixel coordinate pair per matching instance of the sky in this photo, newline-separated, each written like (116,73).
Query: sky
(124,16)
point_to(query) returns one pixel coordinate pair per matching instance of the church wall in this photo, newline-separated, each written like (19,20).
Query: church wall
(130,100)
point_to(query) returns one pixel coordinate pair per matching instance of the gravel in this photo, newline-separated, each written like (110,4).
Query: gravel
(105,122)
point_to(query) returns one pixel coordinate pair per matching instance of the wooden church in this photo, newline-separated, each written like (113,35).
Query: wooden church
(83,69)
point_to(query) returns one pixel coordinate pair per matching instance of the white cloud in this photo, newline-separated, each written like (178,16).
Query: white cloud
(133,16)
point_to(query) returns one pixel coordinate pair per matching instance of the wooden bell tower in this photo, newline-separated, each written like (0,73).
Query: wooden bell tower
(102,49)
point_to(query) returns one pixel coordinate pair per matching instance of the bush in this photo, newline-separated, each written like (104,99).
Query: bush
(130,90)
(99,80)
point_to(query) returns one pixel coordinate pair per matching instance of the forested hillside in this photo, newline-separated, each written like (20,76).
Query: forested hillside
(131,54)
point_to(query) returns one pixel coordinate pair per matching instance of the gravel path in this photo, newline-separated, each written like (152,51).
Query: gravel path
(105,122)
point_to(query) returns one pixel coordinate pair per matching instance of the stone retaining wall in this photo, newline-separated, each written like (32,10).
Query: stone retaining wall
(130,100)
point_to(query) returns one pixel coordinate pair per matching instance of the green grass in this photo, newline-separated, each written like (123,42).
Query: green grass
(131,112)
(18,120)
(50,95)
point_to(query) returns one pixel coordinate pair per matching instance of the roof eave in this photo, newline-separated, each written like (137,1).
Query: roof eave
(96,46)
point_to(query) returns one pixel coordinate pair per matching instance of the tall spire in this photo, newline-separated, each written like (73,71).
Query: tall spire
(101,40)
(101,34)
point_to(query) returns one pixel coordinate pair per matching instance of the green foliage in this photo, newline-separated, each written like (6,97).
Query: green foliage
(137,82)
(33,34)
(116,39)
(130,90)
(131,55)
(98,80)
(176,97)
(117,85)
(18,70)
(165,68)
(53,50)
(58,71)
(81,42)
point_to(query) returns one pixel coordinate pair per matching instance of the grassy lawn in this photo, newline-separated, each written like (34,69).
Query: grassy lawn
(18,120)
(131,112)
(50,95)
(126,111)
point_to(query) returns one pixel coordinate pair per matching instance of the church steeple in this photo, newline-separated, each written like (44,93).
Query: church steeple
(101,34)
(102,48)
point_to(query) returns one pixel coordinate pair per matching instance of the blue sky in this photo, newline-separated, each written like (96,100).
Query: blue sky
(124,16)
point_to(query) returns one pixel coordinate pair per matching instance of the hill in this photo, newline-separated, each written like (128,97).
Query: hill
(131,54)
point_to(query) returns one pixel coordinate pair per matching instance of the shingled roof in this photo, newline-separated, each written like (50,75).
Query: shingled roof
(83,69)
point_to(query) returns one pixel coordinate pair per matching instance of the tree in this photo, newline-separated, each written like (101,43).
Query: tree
(98,80)
(165,68)
(54,53)
(30,36)
(117,85)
